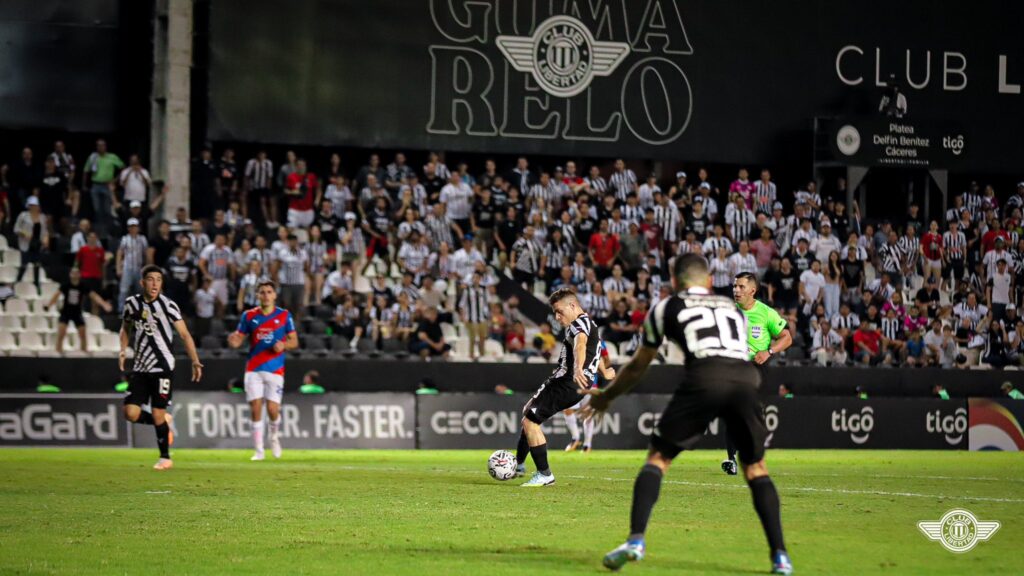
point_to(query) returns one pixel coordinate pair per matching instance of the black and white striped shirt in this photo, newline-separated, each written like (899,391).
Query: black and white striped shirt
(546,193)
(741,221)
(892,328)
(152,327)
(199,242)
(764,196)
(598,186)
(632,213)
(218,261)
(911,248)
(849,322)
(259,175)
(134,252)
(579,273)
(668,218)
(440,230)
(597,305)
(293,267)
(413,256)
(713,244)
(721,273)
(527,255)
(623,183)
(567,361)
(972,202)
(557,255)
(892,258)
(315,252)
(955,245)
(402,317)
(247,286)
(613,284)
(620,228)
(474,304)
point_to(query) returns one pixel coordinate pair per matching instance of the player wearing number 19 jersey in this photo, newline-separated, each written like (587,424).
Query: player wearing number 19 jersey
(719,382)
(270,331)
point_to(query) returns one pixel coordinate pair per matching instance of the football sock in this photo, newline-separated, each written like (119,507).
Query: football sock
(645,495)
(730,446)
(522,450)
(275,425)
(573,426)
(257,435)
(540,458)
(588,431)
(145,418)
(766,502)
(163,431)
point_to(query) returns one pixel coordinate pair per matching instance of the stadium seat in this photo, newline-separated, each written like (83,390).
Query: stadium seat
(512,358)
(3,243)
(12,258)
(47,288)
(488,359)
(449,332)
(16,307)
(217,326)
(26,291)
(11,324)
(39,324)
(93,325)
(7,342)
(536,360)
(210,343)
(315,344)
(108,342)
(493,349)
(361,285)
(30,343)
(8,274)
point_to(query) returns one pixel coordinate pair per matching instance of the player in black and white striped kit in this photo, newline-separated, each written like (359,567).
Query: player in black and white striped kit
(719,383)
(148,324)
(577,365)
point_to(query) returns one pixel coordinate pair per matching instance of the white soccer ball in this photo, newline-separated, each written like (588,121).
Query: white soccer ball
(501,465)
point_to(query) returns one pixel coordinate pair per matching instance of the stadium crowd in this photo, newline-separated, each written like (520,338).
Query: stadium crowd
(381,259)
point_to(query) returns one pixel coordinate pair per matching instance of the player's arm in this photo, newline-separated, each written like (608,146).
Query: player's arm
(606,368)
(237,338)
(626,379)
(96,299)
(124,345)
(190,349)
(291,342)
(579,350)
(53,300)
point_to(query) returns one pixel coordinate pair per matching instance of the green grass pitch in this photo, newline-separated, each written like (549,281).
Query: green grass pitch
(423,513)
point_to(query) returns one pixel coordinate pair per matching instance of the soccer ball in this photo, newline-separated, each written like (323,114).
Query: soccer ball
(501,465)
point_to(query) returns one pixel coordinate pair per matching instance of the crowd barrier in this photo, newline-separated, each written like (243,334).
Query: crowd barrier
(491,421)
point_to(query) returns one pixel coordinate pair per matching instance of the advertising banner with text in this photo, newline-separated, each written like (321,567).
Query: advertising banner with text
(63,420)
(701,80)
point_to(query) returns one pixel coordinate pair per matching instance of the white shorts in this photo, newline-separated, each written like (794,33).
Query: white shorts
(933,263)
(220,290)
(300,218)
(264,386)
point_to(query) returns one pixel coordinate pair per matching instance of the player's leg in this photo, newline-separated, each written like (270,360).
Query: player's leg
(160,397)
(274,389)
(552,397)
(137,396)
(747,427)
(572,423)
(729,464)
(82,339)
(62,330)
(254,393)
(589,425)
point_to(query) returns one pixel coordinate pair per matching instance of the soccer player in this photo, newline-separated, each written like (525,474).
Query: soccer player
(606,371)
(270,331)
(577,365)
(766,337)
(75,292)
(151,319)
(719,382)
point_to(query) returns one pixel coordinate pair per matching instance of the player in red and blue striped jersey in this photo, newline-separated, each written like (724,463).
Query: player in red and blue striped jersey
(270,331)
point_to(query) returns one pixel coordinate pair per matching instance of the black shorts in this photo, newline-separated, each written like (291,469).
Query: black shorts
(153,388)
(553,396)
(714,389)
(72,317)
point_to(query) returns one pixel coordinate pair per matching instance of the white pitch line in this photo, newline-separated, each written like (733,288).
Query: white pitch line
(812,489)
(158,491)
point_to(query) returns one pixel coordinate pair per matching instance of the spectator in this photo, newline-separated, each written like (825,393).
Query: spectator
(827,347)
(999,290)
(764,250)
(33,238)
(291,266)
(248,285)
(259,186)
(743,261)
(131,257)
(204,197)
(303,191)
(915,355)
(53,193)
(316,253)
(217,263)
(475,314)
(74,294)
(429,341)
(348,321)
(135,182)
(25,177)
(812,287)
(1010,392)
(867,342)
(205,302)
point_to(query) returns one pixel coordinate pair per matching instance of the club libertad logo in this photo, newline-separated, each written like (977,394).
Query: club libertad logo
(562,55)
(959,530)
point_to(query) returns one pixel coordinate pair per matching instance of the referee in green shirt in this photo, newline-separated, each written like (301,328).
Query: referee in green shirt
(766,337)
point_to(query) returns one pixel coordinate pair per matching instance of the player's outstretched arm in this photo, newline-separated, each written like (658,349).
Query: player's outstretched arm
(291,342)
(190,349)
(236,339)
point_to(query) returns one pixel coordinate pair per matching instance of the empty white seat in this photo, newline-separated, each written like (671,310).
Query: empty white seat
(93,325)
(7,342)
(108,341)
(15,307)
(8,274)
(512,358)
(493,349)
(3,243)
(47,288)
(11,324)
(26,291)
(449,332)
(70,340)
(31,342)
(362,285)
(536,360)
(38,324)
(12,258)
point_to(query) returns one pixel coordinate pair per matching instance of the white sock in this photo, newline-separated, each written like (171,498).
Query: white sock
(574,428)
(588,431)
(257,435)
(275,425)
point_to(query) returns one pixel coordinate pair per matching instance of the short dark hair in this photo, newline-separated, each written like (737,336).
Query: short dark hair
(270,283)
(749,276)
(561,294)
(151,268)
(687,267)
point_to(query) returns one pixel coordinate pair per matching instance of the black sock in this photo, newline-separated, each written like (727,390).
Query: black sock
(730,448)
(766,502)
(163,431)
(645,495)
(540,458)
(522,450)
(145,418)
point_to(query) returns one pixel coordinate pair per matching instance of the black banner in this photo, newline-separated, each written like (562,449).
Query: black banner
(334,420)
(63,420)
(723,81)
(900,142)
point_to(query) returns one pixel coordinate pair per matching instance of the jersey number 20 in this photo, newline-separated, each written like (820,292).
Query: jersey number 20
(701,336)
